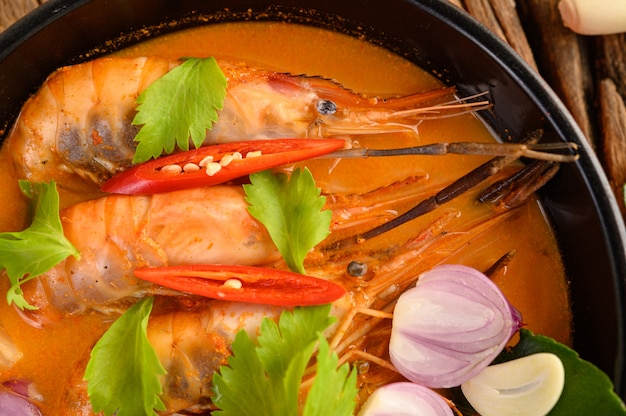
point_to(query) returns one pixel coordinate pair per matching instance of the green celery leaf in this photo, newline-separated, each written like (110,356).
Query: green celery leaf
(182,103)
(269,375)
(291,210)
(29,253)
(123,370)
(587,390)
(334,390)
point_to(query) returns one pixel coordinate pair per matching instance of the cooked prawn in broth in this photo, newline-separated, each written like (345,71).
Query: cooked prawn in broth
(361,193)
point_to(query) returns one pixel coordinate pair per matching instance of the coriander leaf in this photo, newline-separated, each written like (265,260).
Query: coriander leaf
(587,391)
(269,375)
(29,253)
(334,390)
(291,210)
(123,370)
(295,330)
(182,103)
(285,349)
(244,377)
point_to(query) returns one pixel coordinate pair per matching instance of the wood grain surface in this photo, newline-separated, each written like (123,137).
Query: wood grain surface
(588,73)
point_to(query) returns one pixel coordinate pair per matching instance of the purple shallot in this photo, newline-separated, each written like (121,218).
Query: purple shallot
(450,326)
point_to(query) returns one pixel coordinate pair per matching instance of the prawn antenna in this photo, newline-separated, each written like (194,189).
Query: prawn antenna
(553,152)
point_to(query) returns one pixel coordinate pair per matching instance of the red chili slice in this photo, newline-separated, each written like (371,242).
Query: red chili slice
(151,177)
(245,284)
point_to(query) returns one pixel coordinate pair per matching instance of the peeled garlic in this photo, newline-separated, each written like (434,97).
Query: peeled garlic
(594,17)
(527,386)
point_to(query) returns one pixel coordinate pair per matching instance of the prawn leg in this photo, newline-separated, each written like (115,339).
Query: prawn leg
(518,188)
(515,190)
(460,186)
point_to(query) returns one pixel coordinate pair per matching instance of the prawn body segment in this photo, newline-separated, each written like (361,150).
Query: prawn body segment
(118,234)
(77,125)
(191,342)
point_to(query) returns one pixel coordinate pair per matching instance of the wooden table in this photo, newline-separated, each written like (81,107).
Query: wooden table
(588,73)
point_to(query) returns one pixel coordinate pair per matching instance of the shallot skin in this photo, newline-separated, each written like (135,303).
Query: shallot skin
(450,326)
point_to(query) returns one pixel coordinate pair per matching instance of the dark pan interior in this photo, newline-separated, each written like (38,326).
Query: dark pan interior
(433,34)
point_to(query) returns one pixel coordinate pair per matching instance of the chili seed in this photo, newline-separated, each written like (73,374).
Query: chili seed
(226,159)
(171,169)
(233,284)
(212,168)
(255,153)
(191,167)
(205,161)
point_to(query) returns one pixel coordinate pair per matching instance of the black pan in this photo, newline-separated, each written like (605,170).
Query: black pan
(431,33)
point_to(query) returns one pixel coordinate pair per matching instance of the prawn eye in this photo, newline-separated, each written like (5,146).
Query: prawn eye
(326,107)
(357,269)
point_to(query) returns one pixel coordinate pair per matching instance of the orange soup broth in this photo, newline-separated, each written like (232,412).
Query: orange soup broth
(534,281)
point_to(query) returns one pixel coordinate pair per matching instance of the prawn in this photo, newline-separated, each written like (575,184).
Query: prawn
(117,234)
(78,125)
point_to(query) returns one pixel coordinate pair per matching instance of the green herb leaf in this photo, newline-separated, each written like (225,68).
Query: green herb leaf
(285,349)
(123,370)
(291,210)
(244,377)
(269,375)
(182,103)
(340,381)
(295,330)
(587,390)
(29,253)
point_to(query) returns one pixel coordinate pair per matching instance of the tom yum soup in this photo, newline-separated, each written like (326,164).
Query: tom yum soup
(238,232)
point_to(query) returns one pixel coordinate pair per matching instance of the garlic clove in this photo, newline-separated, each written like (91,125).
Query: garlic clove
(528,386)
(594,17)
